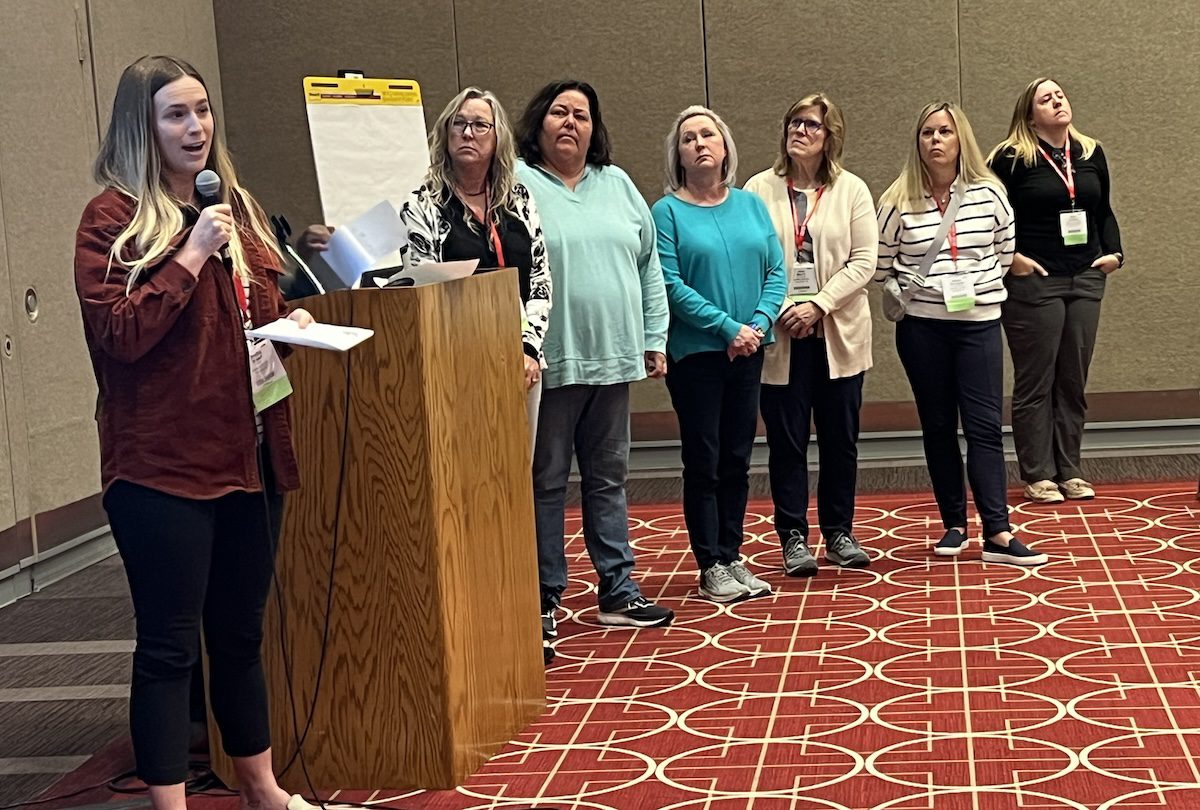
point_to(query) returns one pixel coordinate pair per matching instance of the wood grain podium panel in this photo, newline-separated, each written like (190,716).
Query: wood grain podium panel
(433,657)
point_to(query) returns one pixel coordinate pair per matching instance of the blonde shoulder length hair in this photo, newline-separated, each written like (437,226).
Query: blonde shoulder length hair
(908,190)
(1022,138)
(502,176)
(675,174)
(835,138)
(129,161)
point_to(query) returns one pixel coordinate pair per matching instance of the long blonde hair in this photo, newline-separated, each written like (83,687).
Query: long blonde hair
(908,190)
(835,138)
(1022,138)
(129,161)
(503,172)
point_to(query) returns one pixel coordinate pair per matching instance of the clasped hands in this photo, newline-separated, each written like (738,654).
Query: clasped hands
(800,320)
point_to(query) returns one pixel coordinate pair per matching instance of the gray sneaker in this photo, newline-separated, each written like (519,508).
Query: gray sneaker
(842,549)
(798,560)
(741,573)
(718,584)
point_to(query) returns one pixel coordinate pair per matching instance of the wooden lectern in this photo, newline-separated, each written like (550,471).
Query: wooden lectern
(414,453)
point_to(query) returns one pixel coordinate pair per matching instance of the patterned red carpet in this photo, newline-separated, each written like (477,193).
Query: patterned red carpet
(919,683)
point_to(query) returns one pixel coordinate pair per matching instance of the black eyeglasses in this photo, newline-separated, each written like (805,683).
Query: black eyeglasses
(805,125)
(478,128)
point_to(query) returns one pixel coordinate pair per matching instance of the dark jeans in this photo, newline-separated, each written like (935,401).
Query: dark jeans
(192,563)
(1051,325)
(592,420)
(788,412)
(716,401)
(956,368)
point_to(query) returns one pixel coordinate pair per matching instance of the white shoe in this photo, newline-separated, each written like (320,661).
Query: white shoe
(741,573)
(1077,489)
(718,584)
(297,803)
(1044,491)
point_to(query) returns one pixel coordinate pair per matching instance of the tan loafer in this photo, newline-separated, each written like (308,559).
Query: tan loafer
(1045,491)
(1077,489)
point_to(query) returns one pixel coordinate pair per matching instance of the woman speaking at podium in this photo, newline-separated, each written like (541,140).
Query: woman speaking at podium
(195,444)
(471,206)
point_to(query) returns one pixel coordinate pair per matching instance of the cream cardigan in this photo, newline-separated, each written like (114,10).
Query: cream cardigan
(845,237)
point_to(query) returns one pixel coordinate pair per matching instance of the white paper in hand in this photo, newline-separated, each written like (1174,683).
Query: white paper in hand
(315,335)
(361,245)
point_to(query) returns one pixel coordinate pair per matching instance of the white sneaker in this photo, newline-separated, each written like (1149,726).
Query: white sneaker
(1044,491)
(1077,489)
(741,573)
(718,584)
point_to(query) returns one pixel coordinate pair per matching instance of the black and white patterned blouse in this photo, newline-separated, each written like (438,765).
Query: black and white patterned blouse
(437,232)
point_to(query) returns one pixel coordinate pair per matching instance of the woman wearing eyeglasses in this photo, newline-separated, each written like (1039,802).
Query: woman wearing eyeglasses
(471,206)
(825,218)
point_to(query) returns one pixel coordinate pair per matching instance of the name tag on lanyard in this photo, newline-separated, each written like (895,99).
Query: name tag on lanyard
(269,381)
(958,292)
(1072,223)
(804,282)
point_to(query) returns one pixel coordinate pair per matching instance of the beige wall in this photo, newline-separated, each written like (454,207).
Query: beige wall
(1131,71)
(749,59)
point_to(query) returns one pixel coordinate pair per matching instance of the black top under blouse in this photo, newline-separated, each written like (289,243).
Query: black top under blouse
(465,242)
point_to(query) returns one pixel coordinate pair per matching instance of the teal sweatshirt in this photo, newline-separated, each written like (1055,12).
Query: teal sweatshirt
(610,305)
(723,268)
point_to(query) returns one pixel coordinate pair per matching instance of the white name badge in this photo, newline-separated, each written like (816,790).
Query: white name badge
(958,292)
(804,281)
(1074,227)
(269,381)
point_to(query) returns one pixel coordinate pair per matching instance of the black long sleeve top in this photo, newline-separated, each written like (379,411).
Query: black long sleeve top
(1038,195)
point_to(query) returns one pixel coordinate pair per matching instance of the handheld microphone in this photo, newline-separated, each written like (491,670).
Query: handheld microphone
(208,186)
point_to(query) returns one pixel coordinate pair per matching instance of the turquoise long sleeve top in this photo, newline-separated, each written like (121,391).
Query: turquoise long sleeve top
(610,304)
(723,268)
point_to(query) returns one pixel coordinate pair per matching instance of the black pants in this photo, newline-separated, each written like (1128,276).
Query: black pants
(788,412)
(1051,325)
(716,400)
(956,368)
(192,562)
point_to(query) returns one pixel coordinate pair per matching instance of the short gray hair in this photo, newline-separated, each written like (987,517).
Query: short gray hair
(674,167)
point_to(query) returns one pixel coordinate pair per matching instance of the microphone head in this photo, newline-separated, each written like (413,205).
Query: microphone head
(208,184)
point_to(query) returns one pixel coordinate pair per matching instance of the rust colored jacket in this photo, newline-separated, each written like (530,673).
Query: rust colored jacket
(174,410)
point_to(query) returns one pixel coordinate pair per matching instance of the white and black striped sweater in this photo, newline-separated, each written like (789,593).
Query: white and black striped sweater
(986,244)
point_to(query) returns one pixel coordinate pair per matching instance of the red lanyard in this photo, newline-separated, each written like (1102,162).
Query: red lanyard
(1069,177)
(239,289)
(953,230)
(496,244)
(493,234)
(801,228)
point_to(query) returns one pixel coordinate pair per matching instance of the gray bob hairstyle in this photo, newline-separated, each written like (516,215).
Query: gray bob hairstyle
(674,167)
